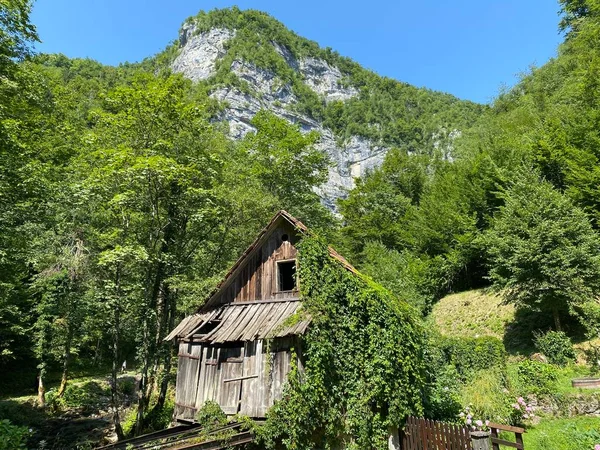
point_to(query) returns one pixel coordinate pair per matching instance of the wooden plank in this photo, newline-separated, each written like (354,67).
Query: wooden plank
(499,441)
(282,315)
(228,319)
(274,315)
(510,428)
(244,377)
(264,302)
(238,331)
(519,439)
(261,316)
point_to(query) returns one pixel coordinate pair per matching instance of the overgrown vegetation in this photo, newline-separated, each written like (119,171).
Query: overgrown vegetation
(122,204)
(363,370)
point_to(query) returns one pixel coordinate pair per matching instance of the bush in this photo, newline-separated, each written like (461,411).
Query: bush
(470,355)
(488,396)
(12,437)
(536,377)
(442,395)
(211,416)
(556,346)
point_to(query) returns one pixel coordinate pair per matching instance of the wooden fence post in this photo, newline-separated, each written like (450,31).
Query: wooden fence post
(480,440)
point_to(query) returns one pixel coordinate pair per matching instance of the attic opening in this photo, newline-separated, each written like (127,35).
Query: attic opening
(286,275)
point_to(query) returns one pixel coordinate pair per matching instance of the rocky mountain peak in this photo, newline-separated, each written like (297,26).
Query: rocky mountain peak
(272,75)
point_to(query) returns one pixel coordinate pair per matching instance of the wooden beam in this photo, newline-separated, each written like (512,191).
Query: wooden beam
(499,441)
(506,428)
(240,378)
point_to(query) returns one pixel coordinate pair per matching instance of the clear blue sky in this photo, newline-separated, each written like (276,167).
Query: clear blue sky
(469,48)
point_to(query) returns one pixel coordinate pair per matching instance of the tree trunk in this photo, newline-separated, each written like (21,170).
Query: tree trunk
(114,391)
(142,395)
(41,389)
(114,381)
(164,385)
(556,319)
(66,361)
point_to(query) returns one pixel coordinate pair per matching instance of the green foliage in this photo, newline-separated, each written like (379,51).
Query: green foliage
(211,416)
(12,437)
(536,377)
(442,400)
(488,396)
(544,254)
(363,370)
(556,346)
(471,355)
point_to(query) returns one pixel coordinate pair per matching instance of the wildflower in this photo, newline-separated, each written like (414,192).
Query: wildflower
(479,423)
(597,447)
(469,421)
(521,400)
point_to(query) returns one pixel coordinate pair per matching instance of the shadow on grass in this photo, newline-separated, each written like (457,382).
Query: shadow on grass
(519,334)
(67,431)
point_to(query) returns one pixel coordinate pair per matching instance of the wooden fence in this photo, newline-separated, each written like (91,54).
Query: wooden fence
(497,442)
(424,434)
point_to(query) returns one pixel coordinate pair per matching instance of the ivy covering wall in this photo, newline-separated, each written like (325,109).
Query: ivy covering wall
(363,369)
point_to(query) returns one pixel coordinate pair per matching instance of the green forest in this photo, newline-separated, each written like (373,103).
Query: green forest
(123,203)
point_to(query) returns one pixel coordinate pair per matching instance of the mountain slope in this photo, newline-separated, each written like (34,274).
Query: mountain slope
(249,61)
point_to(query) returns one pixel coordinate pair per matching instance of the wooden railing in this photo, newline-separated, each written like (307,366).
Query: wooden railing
(497,442)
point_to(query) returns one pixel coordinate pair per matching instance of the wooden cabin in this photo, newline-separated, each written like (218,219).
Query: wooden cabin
(236,350)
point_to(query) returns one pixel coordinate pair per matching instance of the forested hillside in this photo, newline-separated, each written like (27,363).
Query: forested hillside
(124,196)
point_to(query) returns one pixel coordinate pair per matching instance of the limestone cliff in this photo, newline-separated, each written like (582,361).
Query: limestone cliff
(204,52)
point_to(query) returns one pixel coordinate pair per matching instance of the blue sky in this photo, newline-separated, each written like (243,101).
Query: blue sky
(469,48)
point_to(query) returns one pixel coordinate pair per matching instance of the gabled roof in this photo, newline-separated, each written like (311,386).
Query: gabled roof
(263,236)
(247,321)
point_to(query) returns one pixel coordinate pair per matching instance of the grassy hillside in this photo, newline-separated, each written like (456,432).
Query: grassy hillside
(472,314)
(478,313)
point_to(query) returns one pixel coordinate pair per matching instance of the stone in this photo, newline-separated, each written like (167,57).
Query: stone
(200,52)
(197,58)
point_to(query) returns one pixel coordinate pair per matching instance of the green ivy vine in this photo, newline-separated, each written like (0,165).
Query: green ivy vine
(363,370)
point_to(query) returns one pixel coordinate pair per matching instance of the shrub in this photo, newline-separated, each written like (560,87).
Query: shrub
(471,355)
(556,346)
(12,437)
(211,416)
(126,385)
(84,395)
(442,395)
(488,397)
(536,377)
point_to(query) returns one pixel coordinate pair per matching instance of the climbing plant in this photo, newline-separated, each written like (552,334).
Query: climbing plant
(363,368)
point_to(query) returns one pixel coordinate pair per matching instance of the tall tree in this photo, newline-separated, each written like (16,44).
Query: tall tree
(153,167)
(543,252)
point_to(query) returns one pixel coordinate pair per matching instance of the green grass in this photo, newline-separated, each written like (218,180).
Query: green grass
(478,313)
(576,433)
(472,314)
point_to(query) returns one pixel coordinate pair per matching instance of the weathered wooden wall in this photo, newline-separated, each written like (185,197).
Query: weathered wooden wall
(256,279)
(241,377)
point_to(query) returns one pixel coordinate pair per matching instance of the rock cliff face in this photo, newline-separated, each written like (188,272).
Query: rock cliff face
(198,56)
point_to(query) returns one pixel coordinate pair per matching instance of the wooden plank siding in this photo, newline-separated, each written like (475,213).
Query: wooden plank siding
(256,279)
(241,377)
